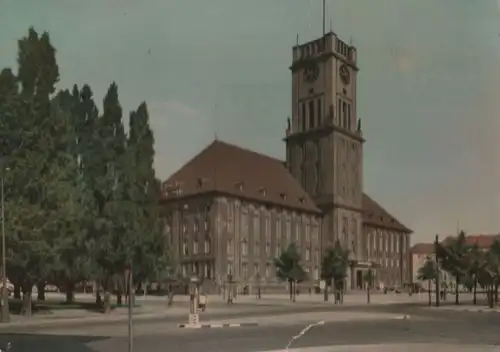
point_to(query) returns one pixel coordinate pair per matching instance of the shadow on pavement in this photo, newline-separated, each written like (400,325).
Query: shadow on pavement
(48,343)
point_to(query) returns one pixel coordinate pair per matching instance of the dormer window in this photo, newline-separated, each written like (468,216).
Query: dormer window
(302,200)
(199,182)
(263,192)
(283,196)
(239,186)
(381,218)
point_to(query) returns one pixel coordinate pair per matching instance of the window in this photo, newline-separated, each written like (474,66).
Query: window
(311,114)
(344,231)
(339,111)
(230,248)
(257,248)
(268,270)
(244,248)
(207,246)
(349,116)
(297,232)
(303,118)
(308,254)
(230,268)
(244,224)
(244,270)
(185,247)
(195,247)
(344,114)
(256,270)
(268,248)
(318,118)
(256,224)
(288,231)
(308,234)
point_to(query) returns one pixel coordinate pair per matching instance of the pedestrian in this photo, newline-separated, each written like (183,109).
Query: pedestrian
(203,302)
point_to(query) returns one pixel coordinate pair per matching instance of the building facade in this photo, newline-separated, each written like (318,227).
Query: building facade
(314,199)
(226,216)
(421,252)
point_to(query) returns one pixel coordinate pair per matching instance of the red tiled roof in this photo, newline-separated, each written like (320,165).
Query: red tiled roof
(230,169)
(233,170)
(482,241)
(422,248)
(375,215)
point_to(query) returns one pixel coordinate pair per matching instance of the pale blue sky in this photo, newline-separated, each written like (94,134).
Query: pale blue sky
(429,85)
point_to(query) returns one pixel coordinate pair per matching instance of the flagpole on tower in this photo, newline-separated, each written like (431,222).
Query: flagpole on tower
(324,17)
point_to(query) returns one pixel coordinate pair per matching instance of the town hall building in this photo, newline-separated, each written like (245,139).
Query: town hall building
(232,211)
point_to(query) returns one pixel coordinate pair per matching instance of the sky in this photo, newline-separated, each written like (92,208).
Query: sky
(428,86)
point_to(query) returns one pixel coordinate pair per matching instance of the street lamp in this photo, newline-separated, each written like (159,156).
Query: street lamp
(5,295)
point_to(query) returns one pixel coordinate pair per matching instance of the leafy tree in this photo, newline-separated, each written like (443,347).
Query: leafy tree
(453,257)
(71,240)
(111,246)
(288,268)
(334,267)
(144,192)
(476,263)
(33,164)
(428,272)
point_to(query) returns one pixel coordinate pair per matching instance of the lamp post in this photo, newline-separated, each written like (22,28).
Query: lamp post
(5,296)
(128,274)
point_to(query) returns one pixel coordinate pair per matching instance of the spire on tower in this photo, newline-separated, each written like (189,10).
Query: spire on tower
(324,17)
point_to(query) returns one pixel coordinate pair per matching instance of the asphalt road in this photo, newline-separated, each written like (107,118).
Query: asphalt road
(425,326)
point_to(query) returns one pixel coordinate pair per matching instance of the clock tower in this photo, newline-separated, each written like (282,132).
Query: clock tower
(324,142)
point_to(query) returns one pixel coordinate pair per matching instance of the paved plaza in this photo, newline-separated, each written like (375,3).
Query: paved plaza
(355,326)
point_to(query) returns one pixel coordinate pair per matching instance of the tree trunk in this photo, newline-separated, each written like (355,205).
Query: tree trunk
(325,292)
(107,302)
(490,296)
(430,293)
(17,292)
(290,288)
(119,297)
(496,292)
(368,289)
(457,282)
(294,290)
(40,296)
(474,297)
(26,305)
(70,292)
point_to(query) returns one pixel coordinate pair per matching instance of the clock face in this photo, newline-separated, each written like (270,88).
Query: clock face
(344,74)
(311,73)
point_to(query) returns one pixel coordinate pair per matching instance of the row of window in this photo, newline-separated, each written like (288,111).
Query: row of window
(200,269)
(310,114)
(196,247)
(241,223)
(267,248)
(344,114)
(269,271)
(386,242)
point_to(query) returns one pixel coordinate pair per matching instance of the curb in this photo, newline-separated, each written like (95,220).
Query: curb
(204,326)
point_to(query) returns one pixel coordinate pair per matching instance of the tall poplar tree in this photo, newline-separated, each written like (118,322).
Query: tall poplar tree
(150,254)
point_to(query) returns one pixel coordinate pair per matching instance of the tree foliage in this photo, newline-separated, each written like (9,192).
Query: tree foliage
(82,199)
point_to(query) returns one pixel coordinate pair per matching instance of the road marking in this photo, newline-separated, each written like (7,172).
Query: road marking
(216,326)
